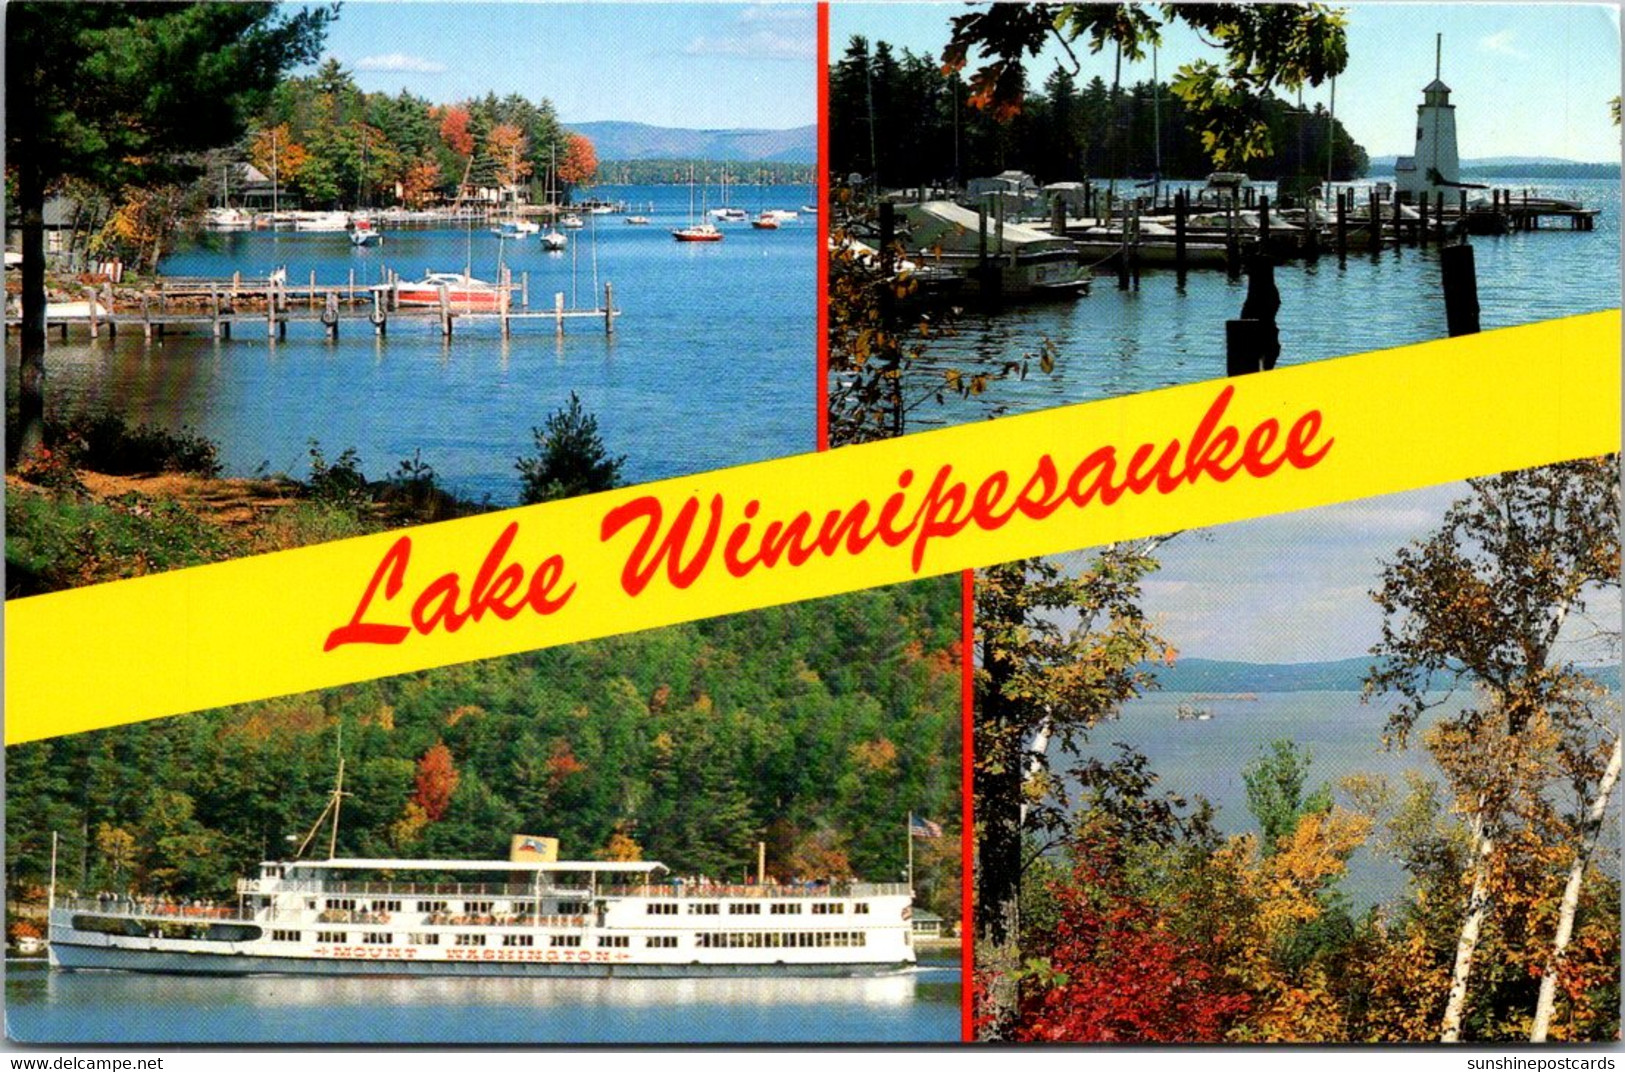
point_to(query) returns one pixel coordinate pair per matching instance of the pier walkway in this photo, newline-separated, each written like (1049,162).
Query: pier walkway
(228,307)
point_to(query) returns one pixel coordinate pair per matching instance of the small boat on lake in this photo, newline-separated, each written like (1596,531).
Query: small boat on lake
(766,222)
(572,222)
(699,232)
(1192,713)
(516,228)
(638,221)
(459,288)
(363,234)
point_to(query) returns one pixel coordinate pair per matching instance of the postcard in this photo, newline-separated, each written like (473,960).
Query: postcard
(561,524)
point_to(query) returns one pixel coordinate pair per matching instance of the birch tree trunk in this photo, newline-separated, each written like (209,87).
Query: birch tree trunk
(1571,898)
(1478,907)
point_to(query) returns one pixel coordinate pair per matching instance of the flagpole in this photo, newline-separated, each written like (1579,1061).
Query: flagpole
(909,834)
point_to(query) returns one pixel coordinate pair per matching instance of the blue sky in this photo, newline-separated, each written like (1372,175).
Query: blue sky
(1528,79)
(681,65)
(1295,588)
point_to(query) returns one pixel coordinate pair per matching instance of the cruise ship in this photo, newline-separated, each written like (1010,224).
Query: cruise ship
(517,917)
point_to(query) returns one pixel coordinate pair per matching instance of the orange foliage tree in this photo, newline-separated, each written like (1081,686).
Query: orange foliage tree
(580,161)
(274,152)
(436,781)
(507,145)
(420,181)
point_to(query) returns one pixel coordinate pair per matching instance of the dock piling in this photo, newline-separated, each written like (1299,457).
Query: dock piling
(609,308)
(558,312)
(1179,235)
(445,311)
(1460,289)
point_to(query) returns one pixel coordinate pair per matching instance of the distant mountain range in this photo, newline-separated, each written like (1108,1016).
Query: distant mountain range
(1338,675)
(1546,167)
(618,141)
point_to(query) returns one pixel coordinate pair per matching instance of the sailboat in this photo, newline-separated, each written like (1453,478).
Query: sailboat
(554,240)
(696,232)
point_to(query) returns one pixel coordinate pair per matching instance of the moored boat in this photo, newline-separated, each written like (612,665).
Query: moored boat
(459,289)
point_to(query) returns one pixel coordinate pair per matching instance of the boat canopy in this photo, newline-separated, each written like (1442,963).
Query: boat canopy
(952,227)
(577,866)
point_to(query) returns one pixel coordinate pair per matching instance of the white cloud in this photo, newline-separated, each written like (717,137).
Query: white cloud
(761,45)
(1500,43)
(399,61)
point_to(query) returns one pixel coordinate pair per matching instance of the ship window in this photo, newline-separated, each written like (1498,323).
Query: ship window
(662,908)
(572,908)
(703,908)
(518,939)
(378,938)
(471,939)
(432,906)
(347,903)
(828,908)
(861,908)
(423,939)
(564,939)
(330,936)
(663,941)
(477,906)
(613,941)
(284,936)
(310,902)
(785,908)
(745,909)
(386,906)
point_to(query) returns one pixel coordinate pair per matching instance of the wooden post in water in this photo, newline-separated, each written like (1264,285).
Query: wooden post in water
(503,298)
(351,294)
(92,309)
(524,288)
(1180,207)
(214,309)
(1399,237)
(558,312)
(107,291)
(270,311)
(1263,223)
(236,285)
(1243,350)
(1373,223)
(380,318)
(311,296)
(445,310)
(1057,216)
(1422,217)
(1343,225)
(330,314)
(1460,289)
(146,318)
(609,308)
(1134,247)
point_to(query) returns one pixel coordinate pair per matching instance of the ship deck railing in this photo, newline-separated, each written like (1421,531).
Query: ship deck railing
(800,890)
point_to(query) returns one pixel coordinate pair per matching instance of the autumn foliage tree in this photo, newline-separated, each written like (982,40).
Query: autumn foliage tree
(506,145)
(436,782)
(579,163)
(1485,599)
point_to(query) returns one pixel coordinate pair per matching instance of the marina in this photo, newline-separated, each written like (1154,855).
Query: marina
(263,396)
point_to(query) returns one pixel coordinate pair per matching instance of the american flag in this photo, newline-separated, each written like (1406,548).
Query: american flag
(918,827)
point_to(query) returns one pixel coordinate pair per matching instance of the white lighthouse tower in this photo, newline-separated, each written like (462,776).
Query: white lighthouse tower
(1436,167)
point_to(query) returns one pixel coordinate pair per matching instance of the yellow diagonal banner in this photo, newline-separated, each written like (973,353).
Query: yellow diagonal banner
(811,525)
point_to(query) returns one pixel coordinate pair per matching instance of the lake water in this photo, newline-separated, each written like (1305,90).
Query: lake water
(1113,342)
(116,1007)
(712,364)
(1341,734)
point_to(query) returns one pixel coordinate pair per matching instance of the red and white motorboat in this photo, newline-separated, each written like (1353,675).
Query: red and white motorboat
(767,221)
(460,289)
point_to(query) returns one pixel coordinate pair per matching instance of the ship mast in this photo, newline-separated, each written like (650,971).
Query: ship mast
(335,802)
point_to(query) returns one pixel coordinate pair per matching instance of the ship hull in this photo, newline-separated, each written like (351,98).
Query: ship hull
(72,957)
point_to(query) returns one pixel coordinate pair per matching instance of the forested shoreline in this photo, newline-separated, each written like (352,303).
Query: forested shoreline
(815,727)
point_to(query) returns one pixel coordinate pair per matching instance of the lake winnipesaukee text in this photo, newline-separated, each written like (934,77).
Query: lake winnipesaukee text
(684,550)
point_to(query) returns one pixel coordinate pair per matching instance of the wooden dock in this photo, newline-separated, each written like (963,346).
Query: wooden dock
(225,308)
